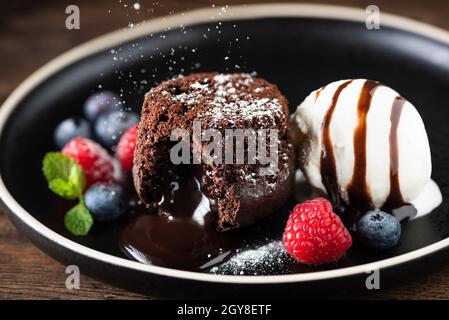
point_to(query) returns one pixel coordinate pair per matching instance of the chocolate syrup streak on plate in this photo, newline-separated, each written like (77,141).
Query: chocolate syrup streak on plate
(327,163)
(181,232)
(358,191)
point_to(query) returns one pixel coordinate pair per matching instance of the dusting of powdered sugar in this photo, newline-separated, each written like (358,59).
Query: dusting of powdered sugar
(264,259)
(255,109)
(187,98)
(200,86)
(229,103)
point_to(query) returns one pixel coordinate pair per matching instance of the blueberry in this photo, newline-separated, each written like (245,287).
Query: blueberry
(106,201)
(100,102)
(69,129)
(379,230)
(110,126)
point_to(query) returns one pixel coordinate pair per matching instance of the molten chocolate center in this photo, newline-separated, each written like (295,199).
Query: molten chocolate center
(181,232)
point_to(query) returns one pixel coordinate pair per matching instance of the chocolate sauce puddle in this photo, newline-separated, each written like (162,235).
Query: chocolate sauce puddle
(358,191)
(181,232)
(327,163)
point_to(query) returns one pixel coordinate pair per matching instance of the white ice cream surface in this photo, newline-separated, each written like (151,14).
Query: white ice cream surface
(429,199)
(413,147)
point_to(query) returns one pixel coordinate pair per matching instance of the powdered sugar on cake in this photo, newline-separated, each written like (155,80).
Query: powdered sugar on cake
(223,94)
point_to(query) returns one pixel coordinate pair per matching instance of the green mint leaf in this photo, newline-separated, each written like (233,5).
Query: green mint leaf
(78,220)
(64,176)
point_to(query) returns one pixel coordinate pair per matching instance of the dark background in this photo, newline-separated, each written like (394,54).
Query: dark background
(33,32)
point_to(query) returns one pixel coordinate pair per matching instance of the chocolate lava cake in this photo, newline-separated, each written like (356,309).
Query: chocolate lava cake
(238,194)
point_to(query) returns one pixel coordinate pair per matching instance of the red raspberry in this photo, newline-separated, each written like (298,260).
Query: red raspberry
(96,162)
(125,148)
(314,234)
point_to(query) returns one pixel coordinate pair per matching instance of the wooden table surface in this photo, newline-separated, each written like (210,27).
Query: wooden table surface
(33,32)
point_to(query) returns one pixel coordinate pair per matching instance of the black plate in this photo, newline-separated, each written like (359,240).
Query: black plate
(288,45)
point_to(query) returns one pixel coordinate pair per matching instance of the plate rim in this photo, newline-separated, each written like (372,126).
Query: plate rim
(194,17)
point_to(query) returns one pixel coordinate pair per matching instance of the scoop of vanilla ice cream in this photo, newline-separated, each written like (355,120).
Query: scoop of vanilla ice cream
(347,99)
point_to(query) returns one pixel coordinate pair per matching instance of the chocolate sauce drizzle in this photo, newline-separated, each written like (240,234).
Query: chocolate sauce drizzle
(317,93)
(327,162)
(358,191)
(394,198)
